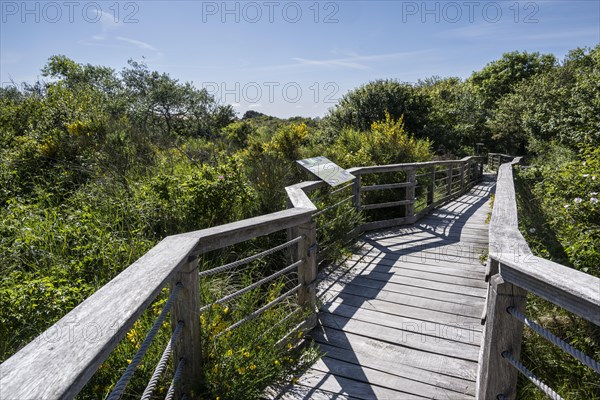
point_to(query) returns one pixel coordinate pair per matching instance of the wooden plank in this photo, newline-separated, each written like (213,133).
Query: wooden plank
(349,387)
(400,269)
(380,275)
(297,391)
(397,353)
(465,332)
(423,266)
(404,387)
(385,186)
(236,232)
(387,204)
(418,381)
(381,304)
(470,310)
(432,338)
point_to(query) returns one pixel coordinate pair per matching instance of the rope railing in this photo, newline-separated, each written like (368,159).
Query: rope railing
(176,378)
(256,284)
(247,260)
(162,363)
(260,310)
(529,375)
(126,377)
(555,340)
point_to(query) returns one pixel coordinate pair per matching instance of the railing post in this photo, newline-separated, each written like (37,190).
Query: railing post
(307,271)
(356,193)
(449,182)
(431,188)
(189,345)
(462,177)
(410,192)
(502,333)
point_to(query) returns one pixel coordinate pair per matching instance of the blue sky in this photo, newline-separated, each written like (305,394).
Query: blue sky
(289,58)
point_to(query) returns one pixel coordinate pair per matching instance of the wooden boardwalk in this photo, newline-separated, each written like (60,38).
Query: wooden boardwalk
(400,319)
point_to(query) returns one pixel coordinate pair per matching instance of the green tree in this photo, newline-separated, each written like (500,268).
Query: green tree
(369,103)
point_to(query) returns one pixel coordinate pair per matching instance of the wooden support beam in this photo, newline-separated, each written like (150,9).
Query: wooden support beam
(307,271)
(189,346)
(431,187)
(356,189)
(410,192)
(502,333)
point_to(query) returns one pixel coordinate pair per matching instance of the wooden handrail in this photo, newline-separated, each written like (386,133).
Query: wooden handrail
(512,272)
(61,360)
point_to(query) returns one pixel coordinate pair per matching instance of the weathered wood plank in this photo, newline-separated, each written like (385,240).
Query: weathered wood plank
(436,385)
(405,387)
(339,296)
(472,310)
(398,354)
(236,232)
(432,338)
(466,332)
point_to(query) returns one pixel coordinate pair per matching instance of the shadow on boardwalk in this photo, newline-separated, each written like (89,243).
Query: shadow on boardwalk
(400,318)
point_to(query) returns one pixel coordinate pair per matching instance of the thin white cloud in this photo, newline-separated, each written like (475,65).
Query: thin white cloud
(357,62)
(255,105)
(136,43)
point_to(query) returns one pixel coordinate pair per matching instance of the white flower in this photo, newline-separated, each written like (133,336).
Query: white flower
(594,200)
(585,175)
(567,206)
(594,177)
(593,193)
(577,200)
(532,230)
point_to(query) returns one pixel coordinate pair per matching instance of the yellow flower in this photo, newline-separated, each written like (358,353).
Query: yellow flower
(294,380)
(229,353)
(289,346)
(246,354)
(241,370)
(128,361)
(277,362)
(225,310)
(252,367)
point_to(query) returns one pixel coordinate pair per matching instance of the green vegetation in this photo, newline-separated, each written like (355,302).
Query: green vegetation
(560,218)
(99,165)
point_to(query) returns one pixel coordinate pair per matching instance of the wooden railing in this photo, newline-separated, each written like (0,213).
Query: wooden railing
(497,159)
(63,359)
(513,272)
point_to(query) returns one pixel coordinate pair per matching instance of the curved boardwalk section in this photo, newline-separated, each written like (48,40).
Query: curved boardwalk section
(400,318)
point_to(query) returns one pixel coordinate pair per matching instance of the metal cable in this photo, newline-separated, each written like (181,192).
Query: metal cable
(176,378)
(534,379)
(253,286)
(329,223)
(332,206)
(287,317)
(340,189)
(126,377)
(555,340)
(260,310)
(162,364)
(249,259)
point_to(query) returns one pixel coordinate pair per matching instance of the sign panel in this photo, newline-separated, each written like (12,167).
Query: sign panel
(326,170)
